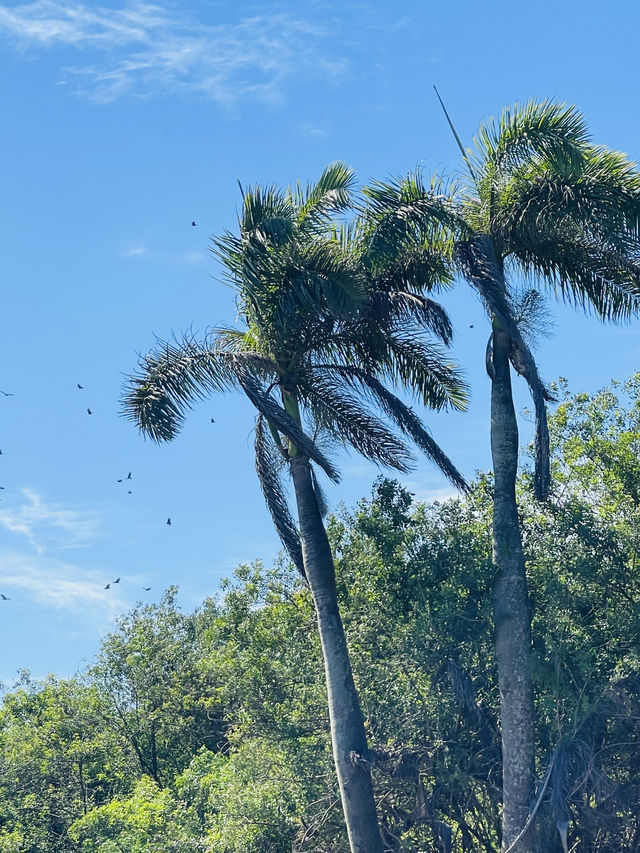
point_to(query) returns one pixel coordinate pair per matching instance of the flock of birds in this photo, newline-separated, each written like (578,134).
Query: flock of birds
(129,476)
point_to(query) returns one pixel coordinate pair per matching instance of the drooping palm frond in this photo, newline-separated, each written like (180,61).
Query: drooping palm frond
(583,274)
(175,376)
(423,369)
(386,307)
(531,315)
(480,266)
(349,422)
(399,413)
(268,467)
(279,418)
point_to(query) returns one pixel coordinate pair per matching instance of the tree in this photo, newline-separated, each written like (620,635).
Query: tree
(539,199)
(314,368)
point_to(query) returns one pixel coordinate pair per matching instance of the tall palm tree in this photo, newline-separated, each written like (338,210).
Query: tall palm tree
(316,369)
(537,199)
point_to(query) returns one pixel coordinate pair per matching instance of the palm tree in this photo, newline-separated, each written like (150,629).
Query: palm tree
(537,199)
(316,369)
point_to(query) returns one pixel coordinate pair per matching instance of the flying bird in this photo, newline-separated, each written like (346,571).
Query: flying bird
(146,588)
(193,224)
(81,387)
(7,394)
(117,580)
(169,522)
(108,586)
(89,412)
(212,421)
(4,597)
(128,477)
(129,492)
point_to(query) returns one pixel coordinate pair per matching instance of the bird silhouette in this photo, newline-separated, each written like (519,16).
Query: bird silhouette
(89,412)
(169,522)
(129,492)
(119,481)
(212,421)
(146,588)
(4,597)
(193,224)
(108,586)
(471,326)
(81,387)
(128,477)
(117,580)
(7,394)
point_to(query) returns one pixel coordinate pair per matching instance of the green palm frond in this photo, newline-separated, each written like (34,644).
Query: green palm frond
(585,275)
(387,307)
(268,216)
(331,194)
(268,466)
(401,207)
(344,416)
(175,376)
(402,415)
(538,128)
(284,423)
(423,369)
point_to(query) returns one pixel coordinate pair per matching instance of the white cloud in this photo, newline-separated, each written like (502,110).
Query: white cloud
(57,584)
(145,47)
(425,494)
(40,521)
(135,251)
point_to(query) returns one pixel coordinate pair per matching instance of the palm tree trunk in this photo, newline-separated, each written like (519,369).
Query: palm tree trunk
(510,607)
(349,741)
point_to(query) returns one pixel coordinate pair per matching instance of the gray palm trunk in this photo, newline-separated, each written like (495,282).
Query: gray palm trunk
(348,737)
(510,606)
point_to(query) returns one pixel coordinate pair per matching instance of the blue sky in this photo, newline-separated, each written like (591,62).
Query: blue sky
(122,123)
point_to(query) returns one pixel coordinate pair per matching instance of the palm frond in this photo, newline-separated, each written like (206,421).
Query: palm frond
(585,275)
(268,466)
(268,216)
(396,208)
(321,498)
(284,423)
(175,376)
(480,266)
(330,194)
(387,307)
(423,369)
(349,422)
(403,416)
(545,129)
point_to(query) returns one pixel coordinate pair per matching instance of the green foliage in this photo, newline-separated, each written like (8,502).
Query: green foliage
(233,694)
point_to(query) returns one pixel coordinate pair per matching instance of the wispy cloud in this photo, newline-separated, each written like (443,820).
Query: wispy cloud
(57,584)
(42,522)
(135,251)
(143,48)
(425,494)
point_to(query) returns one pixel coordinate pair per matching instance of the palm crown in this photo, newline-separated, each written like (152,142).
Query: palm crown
(318,351)
(537,199)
